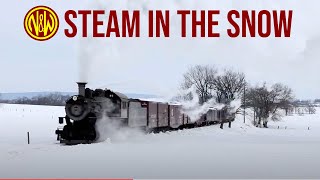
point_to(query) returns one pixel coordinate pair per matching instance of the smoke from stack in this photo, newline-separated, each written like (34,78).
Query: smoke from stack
(85,56)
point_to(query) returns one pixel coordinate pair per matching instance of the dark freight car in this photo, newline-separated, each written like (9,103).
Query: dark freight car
(152,114)
(175,116)
(163,119)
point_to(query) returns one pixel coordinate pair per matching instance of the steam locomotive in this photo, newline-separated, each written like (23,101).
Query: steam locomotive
(83,111)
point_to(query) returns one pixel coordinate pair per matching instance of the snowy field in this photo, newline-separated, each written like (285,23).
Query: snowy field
(208,152)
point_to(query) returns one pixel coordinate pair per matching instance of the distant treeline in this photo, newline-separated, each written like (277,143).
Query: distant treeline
(53,99)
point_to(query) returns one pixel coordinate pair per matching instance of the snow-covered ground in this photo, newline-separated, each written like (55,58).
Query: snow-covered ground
(292,151)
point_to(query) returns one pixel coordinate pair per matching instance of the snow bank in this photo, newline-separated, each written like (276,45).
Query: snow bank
(208,152)
(17,120)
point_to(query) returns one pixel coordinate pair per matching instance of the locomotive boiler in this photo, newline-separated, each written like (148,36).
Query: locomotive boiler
(84,109)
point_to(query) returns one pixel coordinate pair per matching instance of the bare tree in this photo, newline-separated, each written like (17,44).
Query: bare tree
(201,77)
(266,102)
(228,87)
(284,96)
(225,87)
(311,109)
(52,99)
(259,99)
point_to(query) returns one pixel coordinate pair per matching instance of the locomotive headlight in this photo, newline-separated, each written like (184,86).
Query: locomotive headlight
(75,98)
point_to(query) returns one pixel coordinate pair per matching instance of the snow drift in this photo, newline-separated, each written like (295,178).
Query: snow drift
(208,152)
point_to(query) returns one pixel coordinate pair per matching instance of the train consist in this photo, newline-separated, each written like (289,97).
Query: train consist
(83,111)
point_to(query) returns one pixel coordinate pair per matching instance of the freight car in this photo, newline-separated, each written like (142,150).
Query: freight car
(83,111)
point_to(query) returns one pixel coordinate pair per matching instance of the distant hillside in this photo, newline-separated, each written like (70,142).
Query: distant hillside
(12,96)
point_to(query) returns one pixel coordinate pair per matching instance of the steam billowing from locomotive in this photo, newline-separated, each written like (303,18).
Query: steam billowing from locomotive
(84,110)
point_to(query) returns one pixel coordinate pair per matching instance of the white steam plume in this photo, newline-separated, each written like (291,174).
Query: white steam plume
(235,105)
(85,52)
(111,127)
(193,108)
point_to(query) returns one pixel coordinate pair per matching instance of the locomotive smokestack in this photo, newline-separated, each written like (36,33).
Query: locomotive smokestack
(82,88)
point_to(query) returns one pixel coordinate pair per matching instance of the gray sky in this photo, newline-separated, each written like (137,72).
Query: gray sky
(156,66)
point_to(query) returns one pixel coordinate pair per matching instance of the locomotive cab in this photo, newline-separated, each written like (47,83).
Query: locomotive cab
(119,102)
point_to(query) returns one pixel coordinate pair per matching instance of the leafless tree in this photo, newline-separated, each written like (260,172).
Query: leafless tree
(228,86)
(311,109)
(201,77)
(52,99)
(225,87)
(284,96)
(259,99)
(266,102)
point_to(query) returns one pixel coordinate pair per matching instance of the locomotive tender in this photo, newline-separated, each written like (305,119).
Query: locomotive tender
(83,111)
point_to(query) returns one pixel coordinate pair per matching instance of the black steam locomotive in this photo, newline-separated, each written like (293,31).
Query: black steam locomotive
(83,111)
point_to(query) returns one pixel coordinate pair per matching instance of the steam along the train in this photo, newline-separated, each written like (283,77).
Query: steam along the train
(84,109)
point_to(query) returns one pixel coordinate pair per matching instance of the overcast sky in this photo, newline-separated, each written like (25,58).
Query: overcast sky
(155,66)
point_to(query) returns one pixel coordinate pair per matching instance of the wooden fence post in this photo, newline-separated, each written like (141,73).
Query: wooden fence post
(28,138)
